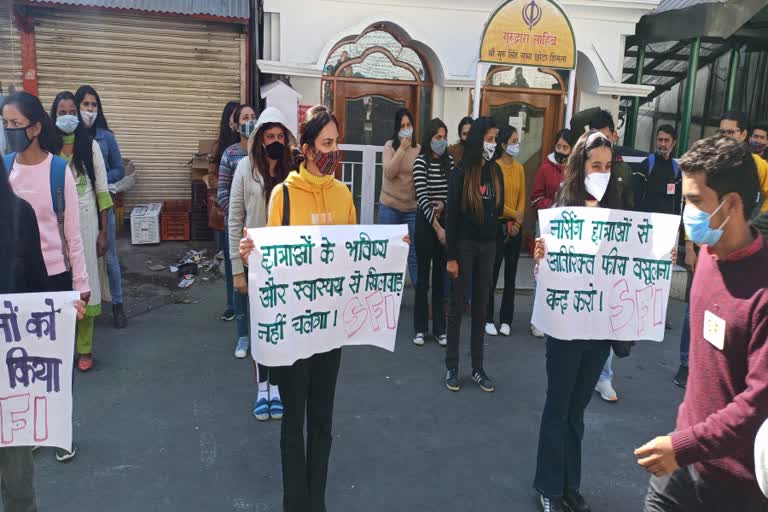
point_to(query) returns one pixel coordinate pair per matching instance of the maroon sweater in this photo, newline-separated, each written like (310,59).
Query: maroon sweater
(726,399)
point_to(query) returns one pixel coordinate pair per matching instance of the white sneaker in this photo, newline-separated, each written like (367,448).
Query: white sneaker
(607,393)
(505,329)
(442,340)
(418,339)
(241,350)
(490,329)
(535,332)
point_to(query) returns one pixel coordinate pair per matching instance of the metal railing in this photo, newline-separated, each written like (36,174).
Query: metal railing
(361,172)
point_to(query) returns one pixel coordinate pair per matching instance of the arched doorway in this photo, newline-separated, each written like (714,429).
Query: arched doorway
(533,100)
(367,78)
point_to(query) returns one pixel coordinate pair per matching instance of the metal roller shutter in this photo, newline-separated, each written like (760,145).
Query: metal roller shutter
(10,50)
(163,82)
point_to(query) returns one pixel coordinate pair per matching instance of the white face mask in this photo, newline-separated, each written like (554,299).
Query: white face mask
(597,184)
(489,148)
(513,149)
(88,117)
(67,123)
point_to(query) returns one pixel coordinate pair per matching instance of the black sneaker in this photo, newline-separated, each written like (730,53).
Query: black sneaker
(228,315)
(552,504)
(681,377)
(483,380)
(452,379)
(575,501)
(63,455)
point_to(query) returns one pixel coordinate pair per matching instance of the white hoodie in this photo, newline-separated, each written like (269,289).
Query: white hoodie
(247,202)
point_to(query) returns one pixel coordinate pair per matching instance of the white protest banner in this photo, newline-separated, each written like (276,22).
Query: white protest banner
(316,288)
(37,331)
(605,275)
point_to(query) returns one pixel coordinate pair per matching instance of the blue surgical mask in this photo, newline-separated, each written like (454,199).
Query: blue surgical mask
(439,146)
(246,129)
(67,124)
(697,228)
(513,149)
(405,134)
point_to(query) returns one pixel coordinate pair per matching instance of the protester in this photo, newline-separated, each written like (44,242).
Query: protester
(509,235)
(87,163)
(657,186)
(397,202)
(475,203)
(734,125)
(94,119)
(707,463)
(245,117)
(457,150)
(32,145)
(267,165)
(430,176)
(758,142)
(308,386)
(24,271)
(573,366)
(547,182)
(229,134)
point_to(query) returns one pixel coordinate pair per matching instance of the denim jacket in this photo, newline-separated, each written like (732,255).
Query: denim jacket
(112,156)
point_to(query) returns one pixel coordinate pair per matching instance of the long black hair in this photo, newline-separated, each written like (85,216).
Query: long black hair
(574,191)
(399,115)
(426,145)
(101,119)
(30,107)
(473,165)
(227,136)
(82,154)
(8,234)
(464,121)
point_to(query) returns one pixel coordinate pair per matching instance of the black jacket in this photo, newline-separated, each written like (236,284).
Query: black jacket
(24,271)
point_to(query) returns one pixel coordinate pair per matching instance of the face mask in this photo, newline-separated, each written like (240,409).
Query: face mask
(597,184)
(17,140)
(697,228)
(89,118)
(326,162)
(67,124)
(439,146)
(405,134)
(246,129)
(560,157)
(489,148)
(757,147)
(513,149)
(276,150)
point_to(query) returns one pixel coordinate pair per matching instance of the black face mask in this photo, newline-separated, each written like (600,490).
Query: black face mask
(276,150)
(560,157)
(17,140)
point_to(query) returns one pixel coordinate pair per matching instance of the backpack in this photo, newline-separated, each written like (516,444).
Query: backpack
(56,177)
(652,162)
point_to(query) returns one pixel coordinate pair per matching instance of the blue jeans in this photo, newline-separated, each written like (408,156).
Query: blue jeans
(685,336)
(114,275)
(223,239)
(389,215)
(607,373)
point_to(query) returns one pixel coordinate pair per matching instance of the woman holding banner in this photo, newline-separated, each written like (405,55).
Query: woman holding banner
(573,366)
(267,165)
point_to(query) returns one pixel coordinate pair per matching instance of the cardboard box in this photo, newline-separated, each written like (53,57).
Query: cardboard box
(145,223)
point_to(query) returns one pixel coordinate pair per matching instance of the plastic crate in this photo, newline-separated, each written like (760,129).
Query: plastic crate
(174,220)
(199,229)
(199,195)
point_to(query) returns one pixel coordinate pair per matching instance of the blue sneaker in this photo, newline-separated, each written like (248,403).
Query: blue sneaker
(276,409)
(261,409)
(242,348)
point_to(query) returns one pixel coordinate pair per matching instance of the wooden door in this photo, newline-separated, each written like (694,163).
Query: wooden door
(366,110)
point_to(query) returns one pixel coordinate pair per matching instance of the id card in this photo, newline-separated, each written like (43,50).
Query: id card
(670,189)
(714,329)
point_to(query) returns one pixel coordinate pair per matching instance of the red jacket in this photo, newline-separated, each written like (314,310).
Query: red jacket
(547,183)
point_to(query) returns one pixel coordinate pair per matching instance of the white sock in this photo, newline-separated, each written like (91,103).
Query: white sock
(274,392)
(263,391)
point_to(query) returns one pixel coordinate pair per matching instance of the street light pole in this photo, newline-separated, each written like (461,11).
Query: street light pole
(631,132)
(690,89)
(733,66)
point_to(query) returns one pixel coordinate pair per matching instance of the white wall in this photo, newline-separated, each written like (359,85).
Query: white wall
(455,107)
(309,88)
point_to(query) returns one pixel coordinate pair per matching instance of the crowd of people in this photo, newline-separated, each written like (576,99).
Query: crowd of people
(465,205)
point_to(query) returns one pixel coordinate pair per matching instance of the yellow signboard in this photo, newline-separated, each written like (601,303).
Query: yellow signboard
(529,33)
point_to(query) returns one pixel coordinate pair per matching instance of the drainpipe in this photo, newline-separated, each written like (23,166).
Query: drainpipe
(634,111)
(690,89)
(733,66)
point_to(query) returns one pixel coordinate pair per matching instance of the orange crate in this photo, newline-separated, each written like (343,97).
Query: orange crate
(174,220)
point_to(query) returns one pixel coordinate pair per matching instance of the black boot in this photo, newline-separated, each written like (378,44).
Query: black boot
(118,316)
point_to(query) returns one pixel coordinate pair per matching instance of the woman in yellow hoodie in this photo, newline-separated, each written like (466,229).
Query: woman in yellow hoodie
(314,197)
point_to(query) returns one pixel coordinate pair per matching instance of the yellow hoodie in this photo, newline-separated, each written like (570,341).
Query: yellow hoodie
(762,175)
(314,200)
